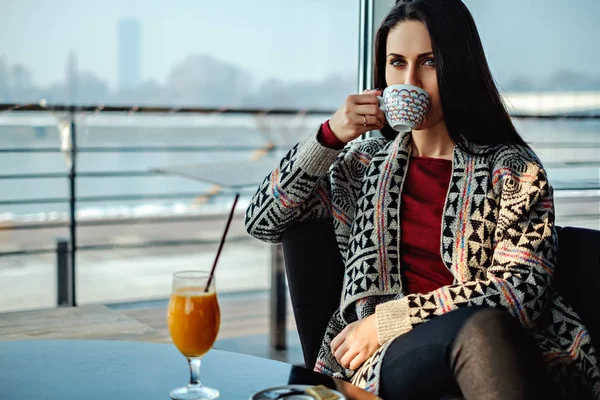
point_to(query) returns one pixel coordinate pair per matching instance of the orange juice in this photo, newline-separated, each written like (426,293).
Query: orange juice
(194,319)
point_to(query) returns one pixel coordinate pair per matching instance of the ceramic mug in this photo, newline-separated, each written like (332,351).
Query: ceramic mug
(405,106)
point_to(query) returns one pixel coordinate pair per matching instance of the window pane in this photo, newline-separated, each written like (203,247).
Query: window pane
(268,53)
(541,44)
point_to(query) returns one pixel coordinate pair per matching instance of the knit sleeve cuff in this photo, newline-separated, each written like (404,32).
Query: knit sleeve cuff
(328,139)
(392,319)
(313,157)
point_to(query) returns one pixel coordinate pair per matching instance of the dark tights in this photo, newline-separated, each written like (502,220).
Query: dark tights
(471,353)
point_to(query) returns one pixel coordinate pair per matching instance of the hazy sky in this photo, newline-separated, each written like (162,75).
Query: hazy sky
(287,39)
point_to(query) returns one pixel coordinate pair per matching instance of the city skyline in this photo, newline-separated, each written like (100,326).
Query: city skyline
(172,34)
(264,46)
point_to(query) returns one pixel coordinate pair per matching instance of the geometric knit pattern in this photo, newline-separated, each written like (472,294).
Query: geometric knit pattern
(497,239)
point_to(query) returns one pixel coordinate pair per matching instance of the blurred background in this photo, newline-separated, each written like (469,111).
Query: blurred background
(232,82)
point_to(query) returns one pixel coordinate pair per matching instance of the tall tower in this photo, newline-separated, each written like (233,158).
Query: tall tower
(129,57)
(72,78)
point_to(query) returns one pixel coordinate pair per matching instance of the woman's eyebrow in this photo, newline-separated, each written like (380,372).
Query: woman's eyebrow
(419,56)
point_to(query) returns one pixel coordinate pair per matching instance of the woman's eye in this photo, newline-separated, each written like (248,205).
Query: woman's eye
(397,63)
(429,62)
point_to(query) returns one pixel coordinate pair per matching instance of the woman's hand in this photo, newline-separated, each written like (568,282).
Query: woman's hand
(359,114)
(356,343)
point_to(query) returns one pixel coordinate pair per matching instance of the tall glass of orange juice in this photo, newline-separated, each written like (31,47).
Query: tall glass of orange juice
(193,317)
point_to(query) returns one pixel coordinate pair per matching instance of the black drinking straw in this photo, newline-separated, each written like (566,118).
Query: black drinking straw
(212,271)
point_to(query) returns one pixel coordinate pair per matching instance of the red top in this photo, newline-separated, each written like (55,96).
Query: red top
(423,198)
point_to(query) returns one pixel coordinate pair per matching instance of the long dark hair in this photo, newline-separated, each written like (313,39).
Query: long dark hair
(473,110)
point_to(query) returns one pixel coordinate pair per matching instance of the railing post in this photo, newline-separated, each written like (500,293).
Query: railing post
(72,203)
(64,275)
(278,299)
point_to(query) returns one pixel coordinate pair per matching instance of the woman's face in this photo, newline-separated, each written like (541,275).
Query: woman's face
(410,60)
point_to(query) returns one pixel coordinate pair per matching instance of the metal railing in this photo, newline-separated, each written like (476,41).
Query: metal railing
(66,250)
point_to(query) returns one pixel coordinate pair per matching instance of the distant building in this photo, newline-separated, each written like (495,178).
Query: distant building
(4,83)
(129,57)
(72,78)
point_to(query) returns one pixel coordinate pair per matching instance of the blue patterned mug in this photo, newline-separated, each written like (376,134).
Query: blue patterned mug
(405,106)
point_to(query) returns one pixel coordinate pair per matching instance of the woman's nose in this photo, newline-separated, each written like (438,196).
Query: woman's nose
(412,77)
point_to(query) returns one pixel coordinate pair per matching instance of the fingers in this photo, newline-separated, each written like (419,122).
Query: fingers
(366,109)
(377,92)
(352,119)
(372,122)
(368,122)
(341,352)
(373,110)
(336,342)
(356,361)
(364,98)
(348,358)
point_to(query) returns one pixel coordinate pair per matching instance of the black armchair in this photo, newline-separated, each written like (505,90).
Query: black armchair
(315,273)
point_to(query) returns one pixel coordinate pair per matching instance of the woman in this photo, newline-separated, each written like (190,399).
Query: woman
(447,232)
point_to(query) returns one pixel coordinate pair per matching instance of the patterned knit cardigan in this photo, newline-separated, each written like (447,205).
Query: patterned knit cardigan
(497,239)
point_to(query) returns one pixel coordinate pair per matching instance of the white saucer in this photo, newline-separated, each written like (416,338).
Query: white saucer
(260,395)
